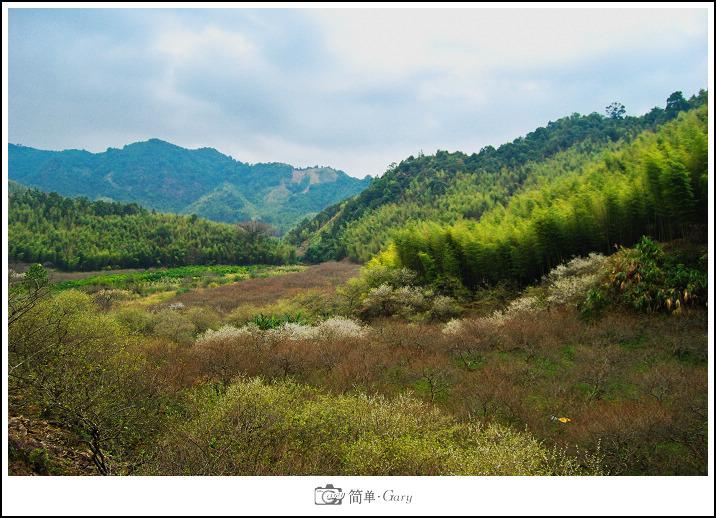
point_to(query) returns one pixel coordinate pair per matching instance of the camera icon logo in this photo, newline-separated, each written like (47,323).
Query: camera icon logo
(328,495)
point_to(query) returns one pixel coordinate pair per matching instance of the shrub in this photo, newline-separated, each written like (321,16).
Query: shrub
(334,328)
(265,322)
(136,319)
(386,301)
(225,333)
(318,305)
(287,428)
(242,314)
(341,327)
(453,327)
(444,308)
(372,277)
(203,318)
(647,279)
(409,302)
(39,460)
(106,298)
(569,282)
(174,325)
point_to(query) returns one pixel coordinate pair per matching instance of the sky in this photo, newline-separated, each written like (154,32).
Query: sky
(347,88)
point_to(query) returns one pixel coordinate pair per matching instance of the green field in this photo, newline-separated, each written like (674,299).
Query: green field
(182,278)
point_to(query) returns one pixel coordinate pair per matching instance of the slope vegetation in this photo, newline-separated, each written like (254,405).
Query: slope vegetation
(447,187)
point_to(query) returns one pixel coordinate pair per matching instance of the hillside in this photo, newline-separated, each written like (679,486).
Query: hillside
(162,176)
(78,234)
(447,187)
(656,185)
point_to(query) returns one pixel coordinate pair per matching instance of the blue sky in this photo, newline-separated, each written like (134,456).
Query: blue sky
(353,89)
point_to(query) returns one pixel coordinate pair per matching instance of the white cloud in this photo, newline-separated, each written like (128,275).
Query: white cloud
(183,43)
(399,41)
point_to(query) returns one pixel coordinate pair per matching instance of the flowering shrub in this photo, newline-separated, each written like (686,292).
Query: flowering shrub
(341,327)
(408,302)
(14,275)
(444,307)
(174,325)
(293,331)
(260,429)
(333,328)
(520,307)
(386,300)
(569,282)
(106,298)
(136,319)
(372,277)
(226,333)
(453,327)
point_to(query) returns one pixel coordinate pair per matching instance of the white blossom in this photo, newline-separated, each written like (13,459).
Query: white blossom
(226,332)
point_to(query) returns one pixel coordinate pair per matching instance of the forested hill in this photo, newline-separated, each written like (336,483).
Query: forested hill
(448,187)
(656,186)
(169,178)
(79,234)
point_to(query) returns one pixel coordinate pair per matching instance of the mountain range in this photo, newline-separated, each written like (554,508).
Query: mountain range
(169,178)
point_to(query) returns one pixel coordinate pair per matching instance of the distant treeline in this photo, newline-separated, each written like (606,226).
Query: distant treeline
(79,234)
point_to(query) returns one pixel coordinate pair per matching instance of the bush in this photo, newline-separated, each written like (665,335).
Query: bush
(444,308)
(647,279)
(372,277)
(226,333)
(409,302)
(174,325)
(387,301)
(136,319)
(203,318)
(569,282)
(265,322)
(291,429)
(39,460)
(334,328)
(106,298)
(315,305)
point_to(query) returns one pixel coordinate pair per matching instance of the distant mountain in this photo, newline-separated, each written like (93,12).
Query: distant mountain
(169,178)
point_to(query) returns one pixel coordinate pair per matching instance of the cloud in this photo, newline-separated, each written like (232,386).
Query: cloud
(355,89)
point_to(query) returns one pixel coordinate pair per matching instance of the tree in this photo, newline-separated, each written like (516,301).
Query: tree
(25,291)
(255,228)
(79,368)
(676,103)
(616,110)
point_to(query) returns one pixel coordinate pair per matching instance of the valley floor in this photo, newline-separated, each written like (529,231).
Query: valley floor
(533,391)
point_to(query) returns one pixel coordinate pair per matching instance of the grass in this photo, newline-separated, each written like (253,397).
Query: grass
(180,280)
